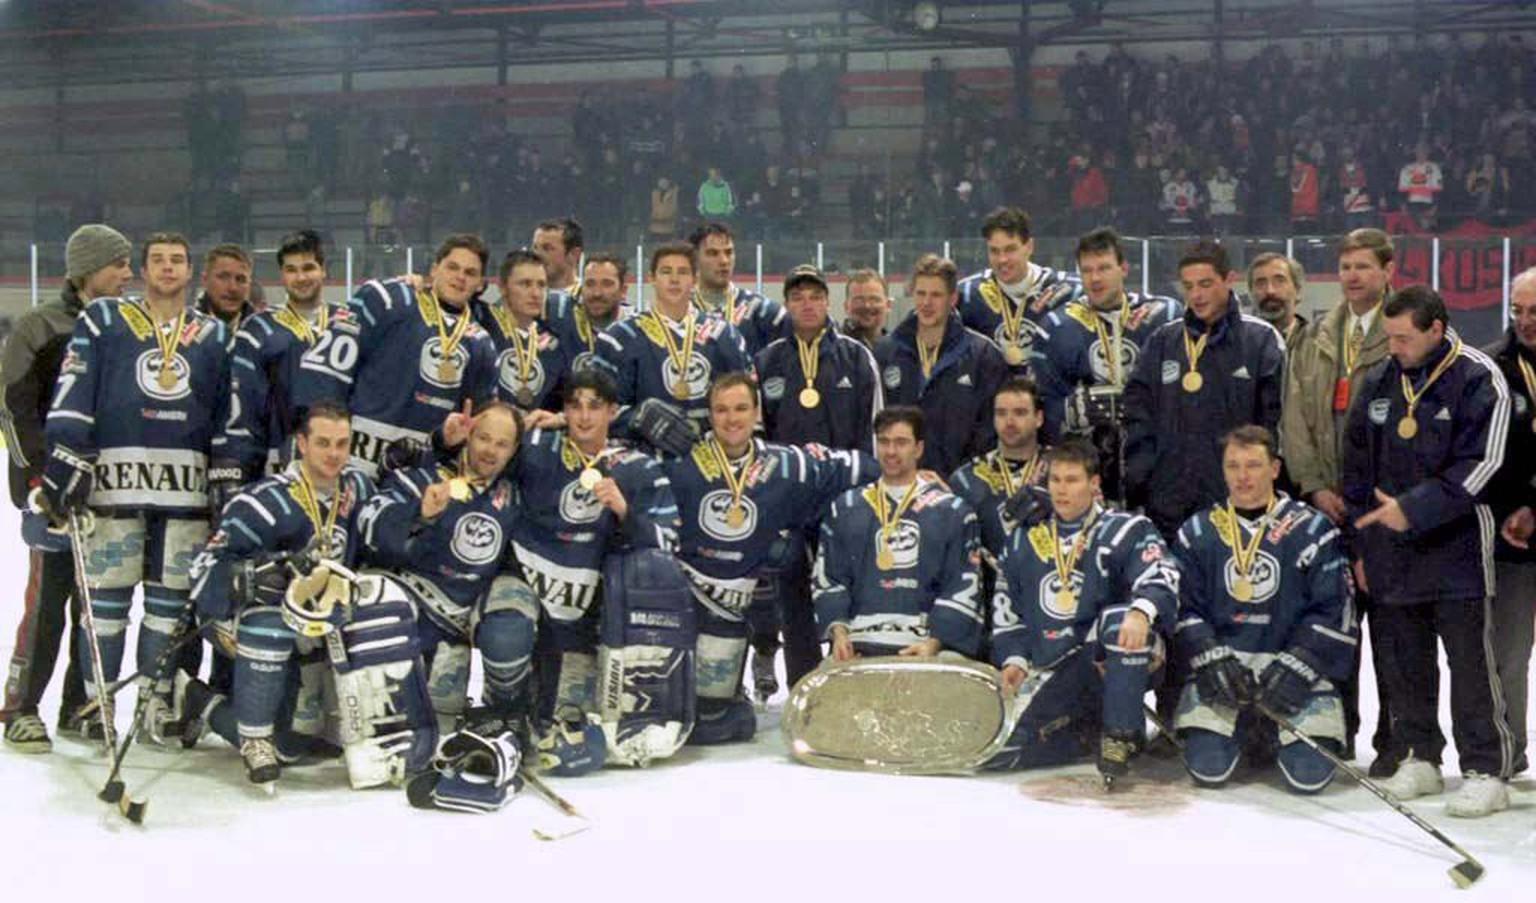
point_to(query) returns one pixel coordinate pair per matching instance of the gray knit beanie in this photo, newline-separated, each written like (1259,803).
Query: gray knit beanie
(92,247)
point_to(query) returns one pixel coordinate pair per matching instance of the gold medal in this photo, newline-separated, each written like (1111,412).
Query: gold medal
(1408,427)
(167,376)
(809,397)
(1192,381)
(1014,355)
(1065,601)
(458,489)
(680,389)
(447,372)
(735,516)
(589,478)
(884,560)
(1242,589)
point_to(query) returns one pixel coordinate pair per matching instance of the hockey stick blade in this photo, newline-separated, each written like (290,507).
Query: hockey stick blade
(1464,873)
(559,802)
(112,792)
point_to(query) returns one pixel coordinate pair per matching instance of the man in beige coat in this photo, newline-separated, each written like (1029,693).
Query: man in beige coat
(1325,368)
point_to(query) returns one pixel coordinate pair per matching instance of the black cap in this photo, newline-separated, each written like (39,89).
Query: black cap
(805,272)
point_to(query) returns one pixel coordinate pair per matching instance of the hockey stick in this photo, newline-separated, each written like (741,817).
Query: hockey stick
(89,707)
(98,672)
(1162,727)
(559,802)
(1463,873)
(114,791)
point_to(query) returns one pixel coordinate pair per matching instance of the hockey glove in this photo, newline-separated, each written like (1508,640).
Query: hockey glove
(1286,684)
(261,581)
(225,480)
(665,427)
(404,453)
(1221,677)
(67,480)
(1028,506)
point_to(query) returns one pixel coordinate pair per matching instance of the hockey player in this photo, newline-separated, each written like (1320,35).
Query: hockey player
(934,362)
(759,319)
(671,351)
(303,516)
(531,357)
(1211,371)
(226,288)
(442,531)
(600,305)
(401,359)
(1086,351)
(560,243)
(1005,301)
(1085,599)
(1424,438)
(140,394)
(266,358)
(822,387)
(1265,616)
(96,265)
(737,495)
(896,573)
(988,481)
(583,497)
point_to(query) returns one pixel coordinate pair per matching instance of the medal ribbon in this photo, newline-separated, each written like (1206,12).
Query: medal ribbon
(735,481)
(902,504)
(167,343)
(582,459)
(449,341)
(810,360)
(1243,554)
(926,358)
(1529,376)
(309,503)
(525,356)
(1193,349)
(1026,473)
(1411,396)
(1112,346)
(307,332)
(728,307)
(1013,311)
(679,357)
(1066,563)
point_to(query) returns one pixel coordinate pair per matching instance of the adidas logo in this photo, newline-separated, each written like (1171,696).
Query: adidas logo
(1445,414)
(845,383)
(1241,373)
(964,380)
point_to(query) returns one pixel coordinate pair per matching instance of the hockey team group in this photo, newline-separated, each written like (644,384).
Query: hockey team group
(1110,498)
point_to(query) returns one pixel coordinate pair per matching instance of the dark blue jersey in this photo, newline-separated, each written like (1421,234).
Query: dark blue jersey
(985,306)
(151,437)
(1038,619)
(758,318)
(531,363)
(635,354)
(1297,592)
(385,359)
(984,483)
(926,587)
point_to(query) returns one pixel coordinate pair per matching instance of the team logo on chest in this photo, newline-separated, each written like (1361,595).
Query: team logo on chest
(511,379)
(476,539)
(716,521)
(1027,331)
(584,361)
(1053,601)
(577,506)
(903,541)
(432,363)
(697,376)
(146,372)
(1263,578)
(1098,361)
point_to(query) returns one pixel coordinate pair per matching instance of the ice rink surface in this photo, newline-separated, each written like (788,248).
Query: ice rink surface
(726,824)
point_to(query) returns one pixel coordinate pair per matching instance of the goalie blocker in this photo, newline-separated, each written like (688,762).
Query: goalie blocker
(647,686)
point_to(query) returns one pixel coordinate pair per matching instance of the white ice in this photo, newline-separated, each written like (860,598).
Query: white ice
(727,823)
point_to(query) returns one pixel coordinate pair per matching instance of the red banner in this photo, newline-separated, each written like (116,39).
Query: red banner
(1471,259)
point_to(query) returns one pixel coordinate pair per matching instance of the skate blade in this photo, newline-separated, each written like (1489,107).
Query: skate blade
(898,716)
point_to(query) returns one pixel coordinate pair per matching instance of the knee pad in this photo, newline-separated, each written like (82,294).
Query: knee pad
(1209,757)
(1305,770)
(723,721)
(505,640)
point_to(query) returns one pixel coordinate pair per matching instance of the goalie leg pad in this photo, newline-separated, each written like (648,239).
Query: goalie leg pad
(646,700)
(387,727)
(265,646)
(1209,757)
